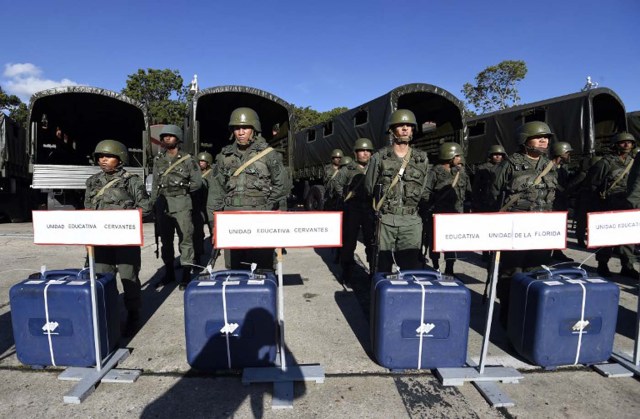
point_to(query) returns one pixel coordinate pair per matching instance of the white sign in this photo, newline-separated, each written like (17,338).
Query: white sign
(613,228)
(264,229)
(88,227)
(499,231)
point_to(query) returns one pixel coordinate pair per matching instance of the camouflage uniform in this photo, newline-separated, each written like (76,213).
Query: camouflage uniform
(331,197)
(401,226)
(260,186)
(128,192)
(442,198)
(358,213)
(481,198)
(173,206)
(516,176)
(201,217)
(600,178)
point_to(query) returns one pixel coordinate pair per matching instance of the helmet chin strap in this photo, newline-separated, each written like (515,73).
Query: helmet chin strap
(538,151)
(401,140)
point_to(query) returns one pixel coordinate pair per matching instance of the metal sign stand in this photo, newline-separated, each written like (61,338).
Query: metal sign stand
(88,378)
(624,366)
(282,376)
(484,378)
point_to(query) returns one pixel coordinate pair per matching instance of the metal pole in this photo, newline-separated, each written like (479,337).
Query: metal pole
(94,307)
(492,295)
(283,362)
(636,349)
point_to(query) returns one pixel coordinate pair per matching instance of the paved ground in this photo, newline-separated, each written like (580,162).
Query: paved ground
(326,324)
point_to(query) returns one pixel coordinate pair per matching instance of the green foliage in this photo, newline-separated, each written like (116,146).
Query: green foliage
(495,87)
(12,105)
(20,114)
(163,93)
(8,102)
(307,117)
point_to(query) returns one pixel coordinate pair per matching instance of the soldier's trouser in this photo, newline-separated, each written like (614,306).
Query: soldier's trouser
(181,223)
(627,257)
(512,262)
(127,261)
(243,258)
(404,241)
(198,234)
(353,220)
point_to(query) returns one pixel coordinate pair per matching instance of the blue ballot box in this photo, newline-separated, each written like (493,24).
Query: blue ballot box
(419,319)
(52,320)
(562,317)
(231,321)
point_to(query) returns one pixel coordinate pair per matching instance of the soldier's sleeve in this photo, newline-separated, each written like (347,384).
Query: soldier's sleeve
(335,188)
(139,193)
(87,193)
(372,175)
(633,184)
(427,189)
(156,183)
(279,182)
(216,193)
(195,175)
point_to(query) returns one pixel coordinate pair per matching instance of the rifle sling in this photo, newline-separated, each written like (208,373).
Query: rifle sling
(514,198)
(251,160)
(396,178)
(173,166)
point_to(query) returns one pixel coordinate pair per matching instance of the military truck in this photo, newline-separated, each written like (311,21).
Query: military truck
(587,120)
(439,115)
(15,193)
(65,124)
(633,124)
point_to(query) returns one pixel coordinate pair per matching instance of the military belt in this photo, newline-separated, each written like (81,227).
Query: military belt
(171,191)
(245,201)
(400,211)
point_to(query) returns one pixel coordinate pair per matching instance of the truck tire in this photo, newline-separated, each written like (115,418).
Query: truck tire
(315,198)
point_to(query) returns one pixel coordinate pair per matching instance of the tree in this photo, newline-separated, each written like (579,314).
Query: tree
(307,117)
(495,87)
(12,105)
(163,93)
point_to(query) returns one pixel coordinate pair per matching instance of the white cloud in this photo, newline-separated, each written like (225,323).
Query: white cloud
(25,79)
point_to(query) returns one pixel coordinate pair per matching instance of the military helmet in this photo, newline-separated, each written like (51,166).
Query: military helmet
(245,117)
(532,129)
(623,136)
(204,156)
(337,153)
(560,148)
(174,130)
(402,116)
(496,149)
(345,160)
(363,144)
(449,151)
(112,148)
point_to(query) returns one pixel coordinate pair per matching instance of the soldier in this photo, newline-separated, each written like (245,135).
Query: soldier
(607,180)
(401,172)
(446,190)
(560,155)
(584,199)
(115,188)
(330,172)
(248,175)
(175,175)
(481,197)
(348,184)
(199,199)
(527,183)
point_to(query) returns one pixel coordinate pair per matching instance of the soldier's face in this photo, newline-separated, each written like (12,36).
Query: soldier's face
(108,163)
(538,142)
(203,165)
(169,141)
(243,135)
(403,132)
(625,146)
(457,160)
(496,158)
(363,156)
(335,160)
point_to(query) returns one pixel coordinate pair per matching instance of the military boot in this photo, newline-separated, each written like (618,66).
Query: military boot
(629,272)
(448,270)
(186,278)
(436,264)
(603,269)
(347,274)
(133,323)
(169,275)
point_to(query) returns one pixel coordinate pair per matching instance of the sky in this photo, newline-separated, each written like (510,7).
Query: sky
(323,54)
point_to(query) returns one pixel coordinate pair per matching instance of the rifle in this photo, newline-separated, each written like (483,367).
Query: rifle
(156,231)
(375,247)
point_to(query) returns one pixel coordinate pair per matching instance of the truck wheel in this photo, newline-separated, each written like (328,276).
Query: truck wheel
(315,198)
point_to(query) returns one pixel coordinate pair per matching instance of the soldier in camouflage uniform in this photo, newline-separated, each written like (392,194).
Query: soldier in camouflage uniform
(445,192)
(561,156)
(608,184)
(199,199)
(175,176)
(515,187)
(330,172)
(348,184)
(401,170)
(115,188)
(248,175)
